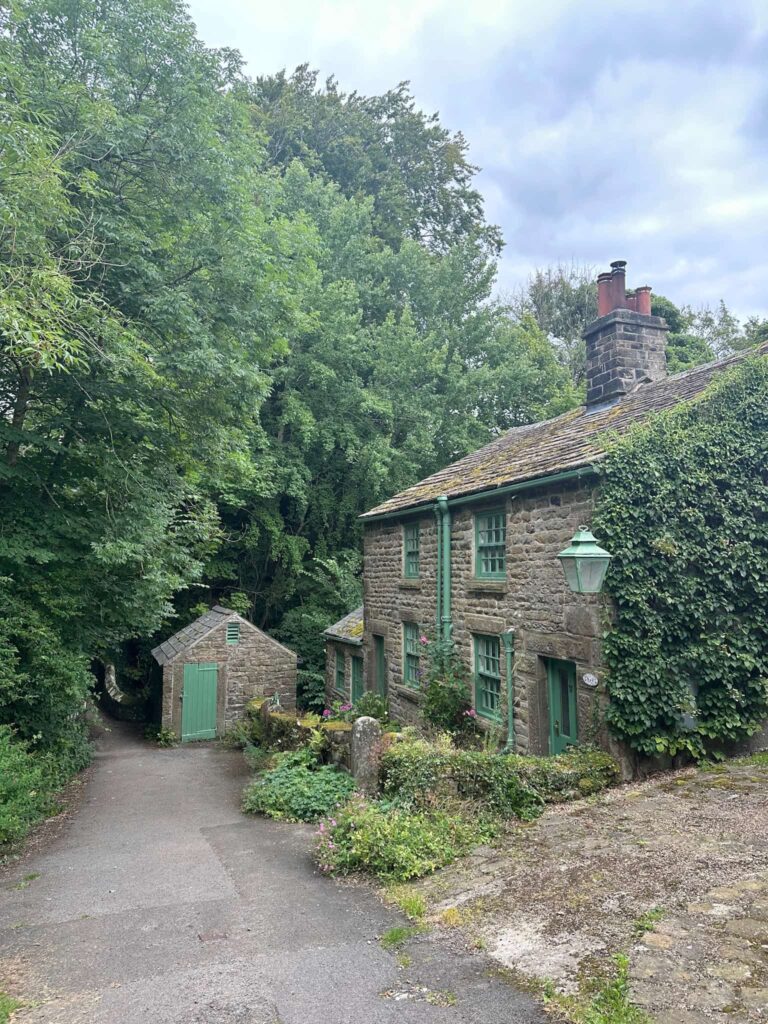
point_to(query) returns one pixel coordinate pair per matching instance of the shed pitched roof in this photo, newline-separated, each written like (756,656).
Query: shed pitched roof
(349,629)
(567,442)
(185,638)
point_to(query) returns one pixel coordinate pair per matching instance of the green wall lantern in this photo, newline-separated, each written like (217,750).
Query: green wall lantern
(584,563)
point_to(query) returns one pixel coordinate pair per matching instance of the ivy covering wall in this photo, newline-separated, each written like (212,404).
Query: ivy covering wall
(683,508)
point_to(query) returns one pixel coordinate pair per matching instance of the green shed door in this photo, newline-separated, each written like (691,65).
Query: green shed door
(198,710)
(563,732)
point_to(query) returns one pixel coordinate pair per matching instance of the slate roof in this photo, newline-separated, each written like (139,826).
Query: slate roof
(195,631)
(349,629)
(567,442)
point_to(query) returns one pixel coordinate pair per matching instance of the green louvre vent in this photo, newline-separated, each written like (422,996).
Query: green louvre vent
(233,632)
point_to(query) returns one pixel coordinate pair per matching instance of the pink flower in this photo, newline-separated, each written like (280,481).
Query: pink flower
(471,713)
(326,713)
(345,707)
(333,823)
(423,640)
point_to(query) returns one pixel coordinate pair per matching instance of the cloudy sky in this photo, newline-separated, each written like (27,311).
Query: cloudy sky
(605,129)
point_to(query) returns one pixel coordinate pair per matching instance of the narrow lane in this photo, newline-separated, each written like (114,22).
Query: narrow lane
(159,902)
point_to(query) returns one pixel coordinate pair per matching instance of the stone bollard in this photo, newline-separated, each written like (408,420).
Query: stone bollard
(366,752)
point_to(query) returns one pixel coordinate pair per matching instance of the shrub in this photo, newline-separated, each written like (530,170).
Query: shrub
(164,737)
(310,690)
(446,704)
(417,773)
(25,788)
(297,789)
(371,705)
(393,843)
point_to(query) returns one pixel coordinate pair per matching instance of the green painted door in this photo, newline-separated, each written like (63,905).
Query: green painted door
(198,709)
(357,678)
(563,731)
(380,665)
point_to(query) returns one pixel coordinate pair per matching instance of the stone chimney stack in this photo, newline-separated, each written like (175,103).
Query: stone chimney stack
(626,344)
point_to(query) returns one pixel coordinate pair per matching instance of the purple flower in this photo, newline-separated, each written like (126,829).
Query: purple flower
(326,713)
(345,707)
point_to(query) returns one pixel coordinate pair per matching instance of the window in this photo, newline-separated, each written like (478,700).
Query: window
(340,686)
(233,632)
(411,550)
(490,545)
(411,654)
(357,678)
(487,676)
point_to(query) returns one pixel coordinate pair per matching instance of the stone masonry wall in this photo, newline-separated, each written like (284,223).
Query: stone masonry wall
(549,620)
(623,348)
(256,666)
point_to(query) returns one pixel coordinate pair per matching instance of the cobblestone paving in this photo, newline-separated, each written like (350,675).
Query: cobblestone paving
(673,871)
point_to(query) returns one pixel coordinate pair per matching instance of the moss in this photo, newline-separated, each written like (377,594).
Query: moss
(336,726)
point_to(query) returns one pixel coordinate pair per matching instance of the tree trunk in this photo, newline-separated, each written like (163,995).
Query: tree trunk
(20,407)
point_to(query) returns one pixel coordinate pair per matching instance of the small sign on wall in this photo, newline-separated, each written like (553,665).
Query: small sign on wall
(589,680)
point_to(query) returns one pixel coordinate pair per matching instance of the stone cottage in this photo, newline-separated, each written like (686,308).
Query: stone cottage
(470,553)
(214,666)
(343,658)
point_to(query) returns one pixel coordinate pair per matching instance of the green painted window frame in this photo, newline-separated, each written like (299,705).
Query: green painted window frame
(411,541)
(411,655)
(488,680)
(357,677)
(491,544)
(340,682)
(233,632)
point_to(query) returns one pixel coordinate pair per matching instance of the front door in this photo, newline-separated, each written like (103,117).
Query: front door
(561,679)
(198,709)
(380,665)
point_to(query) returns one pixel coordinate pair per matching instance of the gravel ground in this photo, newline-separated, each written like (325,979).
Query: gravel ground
(673,871)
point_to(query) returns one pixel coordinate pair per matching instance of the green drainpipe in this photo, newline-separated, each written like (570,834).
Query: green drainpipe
(508,639)
(445,569)
(438,557)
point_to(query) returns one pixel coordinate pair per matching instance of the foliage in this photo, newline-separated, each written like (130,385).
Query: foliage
(606,1001)
(370,704)
(25,793)
(297,789)
(413,904)
(161,735)
(418,773)
(310,689)
(392,843)
(7,1005)
(682,509)
(395,937)
(446,704)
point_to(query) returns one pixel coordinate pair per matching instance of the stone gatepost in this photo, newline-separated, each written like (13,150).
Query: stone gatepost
(366,753)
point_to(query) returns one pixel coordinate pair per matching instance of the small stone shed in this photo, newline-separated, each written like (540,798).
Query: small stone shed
(214,666)
(343,658)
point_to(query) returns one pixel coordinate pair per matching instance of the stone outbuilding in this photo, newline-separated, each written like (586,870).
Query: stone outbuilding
(214,666)
(469,555)
(343,658)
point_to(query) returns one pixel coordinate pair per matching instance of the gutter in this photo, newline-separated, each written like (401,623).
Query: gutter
(466,499)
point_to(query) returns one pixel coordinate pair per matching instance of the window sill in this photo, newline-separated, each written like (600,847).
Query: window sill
(406,583)
(489,586)
(407,693)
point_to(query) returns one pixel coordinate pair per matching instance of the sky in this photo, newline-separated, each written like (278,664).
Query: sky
(604,129)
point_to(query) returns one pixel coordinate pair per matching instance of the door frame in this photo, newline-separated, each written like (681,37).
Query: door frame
(380,665)
(557,741)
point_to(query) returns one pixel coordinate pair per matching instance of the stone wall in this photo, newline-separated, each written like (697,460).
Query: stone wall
(548,619)
(256,666)
(623,348)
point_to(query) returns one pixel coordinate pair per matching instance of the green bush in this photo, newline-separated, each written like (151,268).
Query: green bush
(25,787)
(393,843)
(310,690)
(297,789)
(371,705)
(418,773)
(446,702)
